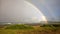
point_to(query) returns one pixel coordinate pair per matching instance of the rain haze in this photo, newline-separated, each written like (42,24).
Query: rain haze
(29,11)
(50,8)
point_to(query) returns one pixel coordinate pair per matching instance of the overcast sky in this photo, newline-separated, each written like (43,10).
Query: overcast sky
(20,11)
(50,8)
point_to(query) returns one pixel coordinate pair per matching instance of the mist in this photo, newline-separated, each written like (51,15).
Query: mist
(34,11)
(19,11)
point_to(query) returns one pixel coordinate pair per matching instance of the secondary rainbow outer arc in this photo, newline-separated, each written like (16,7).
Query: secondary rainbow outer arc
(44,18)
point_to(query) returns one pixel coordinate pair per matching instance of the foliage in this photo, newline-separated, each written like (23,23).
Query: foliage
(26,29)
(19,27)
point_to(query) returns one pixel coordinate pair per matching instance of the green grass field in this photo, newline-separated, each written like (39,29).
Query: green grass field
(28,29)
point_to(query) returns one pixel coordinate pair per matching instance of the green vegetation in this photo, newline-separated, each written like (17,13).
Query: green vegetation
(21,26)
(50,27)
(27,29)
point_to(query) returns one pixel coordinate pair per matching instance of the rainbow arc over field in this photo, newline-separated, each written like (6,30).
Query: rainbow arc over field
(43,17)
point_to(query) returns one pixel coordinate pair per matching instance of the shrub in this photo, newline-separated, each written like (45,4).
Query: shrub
(19,27)
(51,27)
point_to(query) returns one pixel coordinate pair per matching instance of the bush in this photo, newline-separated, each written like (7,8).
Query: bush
(19,27)
(51,27)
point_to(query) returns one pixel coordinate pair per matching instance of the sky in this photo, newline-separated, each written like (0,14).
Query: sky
(19,11)
(32,11)
(50,8)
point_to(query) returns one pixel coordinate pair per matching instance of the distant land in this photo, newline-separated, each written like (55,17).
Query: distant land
(42,22)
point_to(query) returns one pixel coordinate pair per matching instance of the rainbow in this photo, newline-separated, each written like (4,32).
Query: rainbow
(43,17)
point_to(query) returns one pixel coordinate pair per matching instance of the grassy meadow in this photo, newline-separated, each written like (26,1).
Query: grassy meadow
(29,29)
